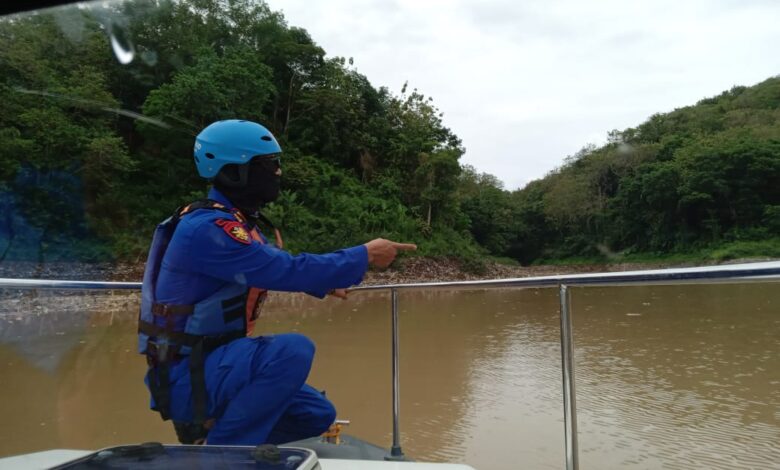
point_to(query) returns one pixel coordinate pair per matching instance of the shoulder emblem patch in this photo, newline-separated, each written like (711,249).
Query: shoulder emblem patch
(235,230)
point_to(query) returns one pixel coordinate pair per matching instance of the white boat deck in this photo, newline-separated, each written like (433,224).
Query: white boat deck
(50,458)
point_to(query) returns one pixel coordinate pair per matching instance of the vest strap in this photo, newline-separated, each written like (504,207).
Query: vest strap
(210,343)
(160,386)
(198,383)
(160,360)
(152,330)
(201,204)
(234,308)
(164,310)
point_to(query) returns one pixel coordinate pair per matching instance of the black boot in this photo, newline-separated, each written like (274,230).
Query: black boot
(190,433)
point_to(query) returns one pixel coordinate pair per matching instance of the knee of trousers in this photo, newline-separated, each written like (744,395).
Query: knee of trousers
(297,347)
(291,353)
(318,417)
(326,415)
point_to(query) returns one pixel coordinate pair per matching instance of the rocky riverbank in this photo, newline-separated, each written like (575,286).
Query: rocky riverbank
(411,269)
(406,270)
(419,269)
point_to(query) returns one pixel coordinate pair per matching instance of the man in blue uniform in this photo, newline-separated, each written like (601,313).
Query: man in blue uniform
(206,277)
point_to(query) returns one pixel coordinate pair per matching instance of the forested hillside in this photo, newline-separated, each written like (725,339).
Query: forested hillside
(95,152)
(78,165)
(700,176)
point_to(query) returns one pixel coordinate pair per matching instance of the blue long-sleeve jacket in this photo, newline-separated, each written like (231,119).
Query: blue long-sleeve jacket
(203,256)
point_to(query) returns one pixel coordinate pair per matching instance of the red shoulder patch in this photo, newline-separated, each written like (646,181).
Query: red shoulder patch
(235,230)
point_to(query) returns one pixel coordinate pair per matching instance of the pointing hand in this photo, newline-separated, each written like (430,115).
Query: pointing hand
(340,293)
(382,252)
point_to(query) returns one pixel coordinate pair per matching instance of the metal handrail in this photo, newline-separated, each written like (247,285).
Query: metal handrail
(744,272)
(567,370)
(764,271)
(395,450)
(51,284)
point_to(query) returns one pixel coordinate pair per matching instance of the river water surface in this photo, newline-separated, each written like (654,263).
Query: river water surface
(667,376)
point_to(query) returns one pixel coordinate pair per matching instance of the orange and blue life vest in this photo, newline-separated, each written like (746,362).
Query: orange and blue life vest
(199,294)
(169,332)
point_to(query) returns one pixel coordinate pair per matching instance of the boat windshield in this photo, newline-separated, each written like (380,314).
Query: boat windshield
(506,139)
(156,456)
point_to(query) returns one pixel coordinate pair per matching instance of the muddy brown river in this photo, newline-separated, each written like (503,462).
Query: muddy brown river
(673,377)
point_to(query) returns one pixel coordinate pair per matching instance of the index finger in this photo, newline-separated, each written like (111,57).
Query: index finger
(404,246)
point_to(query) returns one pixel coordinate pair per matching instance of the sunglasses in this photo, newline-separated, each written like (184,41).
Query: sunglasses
(267,162)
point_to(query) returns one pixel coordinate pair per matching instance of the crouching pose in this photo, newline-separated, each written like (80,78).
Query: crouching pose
(207,274)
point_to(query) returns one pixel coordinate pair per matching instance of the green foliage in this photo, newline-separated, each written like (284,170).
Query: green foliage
(756,249)
(235,84)
(359,162)
(701,176)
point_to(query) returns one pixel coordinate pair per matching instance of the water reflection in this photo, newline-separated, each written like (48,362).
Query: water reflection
(679,377)
(92,398)
(667,377)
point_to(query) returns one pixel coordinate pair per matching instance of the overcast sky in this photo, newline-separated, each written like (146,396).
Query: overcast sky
(526,83)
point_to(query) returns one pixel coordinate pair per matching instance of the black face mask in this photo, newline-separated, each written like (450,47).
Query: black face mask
(250,186)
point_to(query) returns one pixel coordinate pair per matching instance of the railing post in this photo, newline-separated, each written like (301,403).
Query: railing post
(569,398)
(395,451)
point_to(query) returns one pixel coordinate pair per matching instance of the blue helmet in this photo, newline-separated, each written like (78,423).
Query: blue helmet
(232,141)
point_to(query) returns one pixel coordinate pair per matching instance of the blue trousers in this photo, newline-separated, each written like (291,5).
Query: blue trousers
(257,392)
